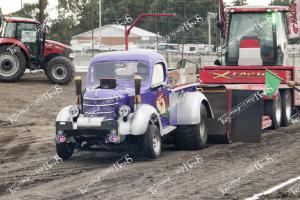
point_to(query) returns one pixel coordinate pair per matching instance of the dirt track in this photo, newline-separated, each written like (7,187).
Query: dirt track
(29,144)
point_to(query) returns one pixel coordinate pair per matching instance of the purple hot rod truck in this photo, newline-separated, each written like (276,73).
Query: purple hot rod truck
(129,103)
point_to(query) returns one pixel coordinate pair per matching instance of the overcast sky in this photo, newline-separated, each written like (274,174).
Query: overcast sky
(9,6)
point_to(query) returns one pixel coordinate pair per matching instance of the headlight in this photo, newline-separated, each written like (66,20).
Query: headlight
(124,111)
(74,111)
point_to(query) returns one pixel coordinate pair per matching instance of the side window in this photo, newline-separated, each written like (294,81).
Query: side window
(10,30)
(27,32)
(158,75)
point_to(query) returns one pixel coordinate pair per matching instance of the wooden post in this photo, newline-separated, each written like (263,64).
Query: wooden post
(42,11)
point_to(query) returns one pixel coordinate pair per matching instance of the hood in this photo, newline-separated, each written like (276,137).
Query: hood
(105,102)
(57,44)
(118,92)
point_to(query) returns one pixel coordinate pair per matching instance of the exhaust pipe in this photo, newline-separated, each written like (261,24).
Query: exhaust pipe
(137,86)
(78,91)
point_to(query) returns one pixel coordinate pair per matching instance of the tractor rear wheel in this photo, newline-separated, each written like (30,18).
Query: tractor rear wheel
(12,64)
(60,70)
(192,137)
(273,109)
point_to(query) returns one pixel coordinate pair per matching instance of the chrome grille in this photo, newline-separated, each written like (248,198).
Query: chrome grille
(104,107)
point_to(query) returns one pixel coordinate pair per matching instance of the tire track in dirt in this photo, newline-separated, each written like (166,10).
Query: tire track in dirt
(221,162)
(15,145)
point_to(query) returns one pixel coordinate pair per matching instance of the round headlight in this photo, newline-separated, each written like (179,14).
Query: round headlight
(74,111)
(124,110)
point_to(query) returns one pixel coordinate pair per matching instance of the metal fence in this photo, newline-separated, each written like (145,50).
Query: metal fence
(113,11)
(194,23)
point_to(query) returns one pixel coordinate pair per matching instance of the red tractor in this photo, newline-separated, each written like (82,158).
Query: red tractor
(23,46)
(256,40)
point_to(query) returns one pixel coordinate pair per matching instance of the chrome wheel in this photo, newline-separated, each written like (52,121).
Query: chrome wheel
(278,108)
(202,127)
(156,143)
(9,64)
(152,142)
(59,72)
(288,106)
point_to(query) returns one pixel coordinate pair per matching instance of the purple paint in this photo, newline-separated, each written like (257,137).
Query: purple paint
(105,102)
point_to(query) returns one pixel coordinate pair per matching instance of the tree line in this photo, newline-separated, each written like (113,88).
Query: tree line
(75,17)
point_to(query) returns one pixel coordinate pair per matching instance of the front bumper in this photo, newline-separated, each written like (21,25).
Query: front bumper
(91,126)
(96,123)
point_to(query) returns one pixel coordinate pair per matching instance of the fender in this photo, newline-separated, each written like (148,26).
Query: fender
(11,41)
(138,121)
(188,110)
(64,115)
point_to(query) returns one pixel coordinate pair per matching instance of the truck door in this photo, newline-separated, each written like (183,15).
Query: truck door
(160,92)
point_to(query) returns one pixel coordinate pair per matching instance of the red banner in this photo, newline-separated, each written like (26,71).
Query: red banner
(294,19)
(238,76)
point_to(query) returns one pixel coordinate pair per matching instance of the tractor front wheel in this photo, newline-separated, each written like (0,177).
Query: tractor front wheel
(60,70)
(12,64)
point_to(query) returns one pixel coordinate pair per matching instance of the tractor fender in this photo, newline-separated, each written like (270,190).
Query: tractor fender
(15,42)
(64,115)
(137,122)
(188,109)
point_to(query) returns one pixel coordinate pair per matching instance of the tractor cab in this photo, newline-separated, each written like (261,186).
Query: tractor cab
(27,31)
(256,36)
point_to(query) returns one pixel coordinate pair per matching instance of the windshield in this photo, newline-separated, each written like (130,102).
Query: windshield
(251,25)
(8,30)
(119,70)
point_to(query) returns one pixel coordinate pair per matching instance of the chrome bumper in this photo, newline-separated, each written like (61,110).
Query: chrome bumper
(89,122)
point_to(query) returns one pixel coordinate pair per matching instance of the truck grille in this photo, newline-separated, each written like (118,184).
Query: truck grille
(102,107)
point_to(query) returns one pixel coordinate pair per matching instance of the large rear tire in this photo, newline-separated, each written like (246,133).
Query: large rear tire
(12,64)
(152,142)
(286,97)
(64,150)
(273,108)
(60,70)
(192,137)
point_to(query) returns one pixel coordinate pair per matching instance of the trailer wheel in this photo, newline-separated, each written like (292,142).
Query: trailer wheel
(192,137)
(12,64)
(60,70)
(152,142)
(64,150)
(273,108)
(286,97)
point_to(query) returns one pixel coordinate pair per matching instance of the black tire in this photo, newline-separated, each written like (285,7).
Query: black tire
(64,150)
(151,149)
(270,107)
(287,109)
(192,137)
(12,64)
(60,70)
